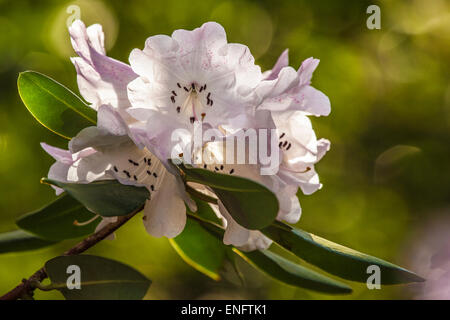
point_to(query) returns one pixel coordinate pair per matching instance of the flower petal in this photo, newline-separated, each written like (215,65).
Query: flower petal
(101,79)
(111,129)
(307,181)
(290,210)
(312,101)
(256,241)
(94,137)
(58,171)
(89,169)
(283,61)
(61,155)
(306,70)
(297,139)
(165,212)
(286,80)
(238,236)
(235,234)
(323,146)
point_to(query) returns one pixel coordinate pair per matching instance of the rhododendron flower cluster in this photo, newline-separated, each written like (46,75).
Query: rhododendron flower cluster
(191,78)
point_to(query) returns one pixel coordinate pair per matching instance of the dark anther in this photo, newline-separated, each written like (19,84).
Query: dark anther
(135,178)
(173,99)
(204,87)
(201,89)
(221,167)
(155,175)
(209,95)
(193,86)
(115,169)
(179,85)
(185,89)
(285,143)
(279,145)
(231,171)
(211,102)
(148,172)
(192,119)
(217,169)
(127,173)
(152,187)
(178,109)
(204,166)
(174,93)
(282,135)
(149,162)
(289,146)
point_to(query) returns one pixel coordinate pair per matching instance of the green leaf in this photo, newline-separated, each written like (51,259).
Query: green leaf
(335,258)
(56,220)
(108,198)
(53,105)
(19,240)
(251,204)
(100,278)
(280,268)
(293,274)
(200,248)
(205,212)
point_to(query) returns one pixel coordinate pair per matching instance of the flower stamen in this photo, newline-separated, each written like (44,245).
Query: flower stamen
(81,224)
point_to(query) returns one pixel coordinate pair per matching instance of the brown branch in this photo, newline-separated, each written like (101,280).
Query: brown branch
(27,287)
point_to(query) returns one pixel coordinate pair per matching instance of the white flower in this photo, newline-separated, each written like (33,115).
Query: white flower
(289,98)
(214,159)
(107,151)
(101,80)
(286,101)
(97,154)
(284,88)
(196,76)
(191,76)
(300,150)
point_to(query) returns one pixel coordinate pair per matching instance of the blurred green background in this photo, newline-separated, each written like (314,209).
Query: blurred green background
(386,179)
